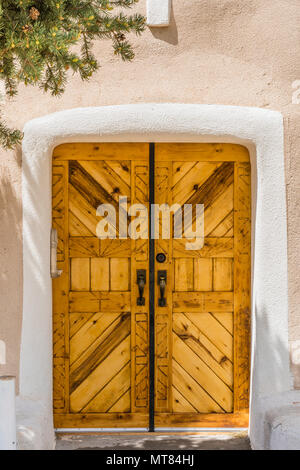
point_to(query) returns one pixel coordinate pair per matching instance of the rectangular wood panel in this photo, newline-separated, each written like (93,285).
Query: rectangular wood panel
(223,274)
(100,337)
(208,329)
(99,274)
(203,269)
(80,274)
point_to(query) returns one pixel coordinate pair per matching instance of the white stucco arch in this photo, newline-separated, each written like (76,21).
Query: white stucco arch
(261,131)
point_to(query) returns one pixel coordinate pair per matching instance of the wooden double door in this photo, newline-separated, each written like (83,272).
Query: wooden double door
(124,363)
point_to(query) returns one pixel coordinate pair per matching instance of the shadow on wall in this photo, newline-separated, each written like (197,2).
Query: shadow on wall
(167,34)
(272,380)
(11,259)
(275,354)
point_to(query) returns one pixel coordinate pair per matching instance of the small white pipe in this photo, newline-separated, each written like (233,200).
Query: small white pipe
(8,436)
(158,13)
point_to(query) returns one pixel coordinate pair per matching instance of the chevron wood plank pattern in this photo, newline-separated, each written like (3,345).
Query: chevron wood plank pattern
(101,336)
(205,287)
(101,339)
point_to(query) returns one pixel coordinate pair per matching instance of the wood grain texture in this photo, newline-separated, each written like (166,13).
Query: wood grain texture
(242,289)
(100,338)
(101,151)
(60,289)
(140,313)
(163,315)
(202,420)
(186,152)
(101,420)
(101,335)
(206,339)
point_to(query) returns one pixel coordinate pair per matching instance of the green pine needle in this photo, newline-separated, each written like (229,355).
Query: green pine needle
(37,39)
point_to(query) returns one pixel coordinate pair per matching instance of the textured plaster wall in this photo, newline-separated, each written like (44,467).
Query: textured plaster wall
(230,52)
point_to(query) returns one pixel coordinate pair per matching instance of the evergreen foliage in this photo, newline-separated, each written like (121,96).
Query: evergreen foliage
(37,39)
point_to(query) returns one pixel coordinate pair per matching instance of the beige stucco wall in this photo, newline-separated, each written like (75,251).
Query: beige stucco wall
(230,52)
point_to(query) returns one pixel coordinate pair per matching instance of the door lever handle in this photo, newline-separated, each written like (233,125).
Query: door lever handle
(53,255)
(162,282)
(141,281)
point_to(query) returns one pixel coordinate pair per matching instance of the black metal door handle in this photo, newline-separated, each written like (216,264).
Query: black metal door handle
(162,282)
(141,281)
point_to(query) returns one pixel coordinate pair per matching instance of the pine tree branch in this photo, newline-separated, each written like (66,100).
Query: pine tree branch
(9,138)
(37,40)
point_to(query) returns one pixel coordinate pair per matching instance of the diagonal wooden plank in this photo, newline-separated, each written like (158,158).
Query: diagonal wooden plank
(141,184)
(123,405)
(218,210)
(77,320)
(224,228)
(202,374)
(141,383)
(215,210)
(108,178)
(88,195)
(104,349)
(90,335)
(180,169)
(59,331)
(110,393)
(83,210)
(77,228)
(214,186)
(230,232)
(205,349)
(96,378)
(180,404)
(58,192)
(226,320)
(85,184)
(192,391)
(218,335)
(197,185)
(121,168)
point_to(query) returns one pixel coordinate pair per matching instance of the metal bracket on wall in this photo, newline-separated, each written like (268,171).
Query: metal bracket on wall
(158,13)
(53,255)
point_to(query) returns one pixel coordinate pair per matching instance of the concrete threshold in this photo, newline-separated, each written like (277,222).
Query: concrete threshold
(153,441)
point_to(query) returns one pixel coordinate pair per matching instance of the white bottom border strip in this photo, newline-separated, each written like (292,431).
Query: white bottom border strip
(137,430)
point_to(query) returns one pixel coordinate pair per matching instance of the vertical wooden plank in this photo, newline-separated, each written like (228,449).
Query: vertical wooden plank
(242,284)
(99,274)
(60,288)
(163,315)
(203,274)
(184,275)
(139,313)
(119,274)
(223,274)
(80,274)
